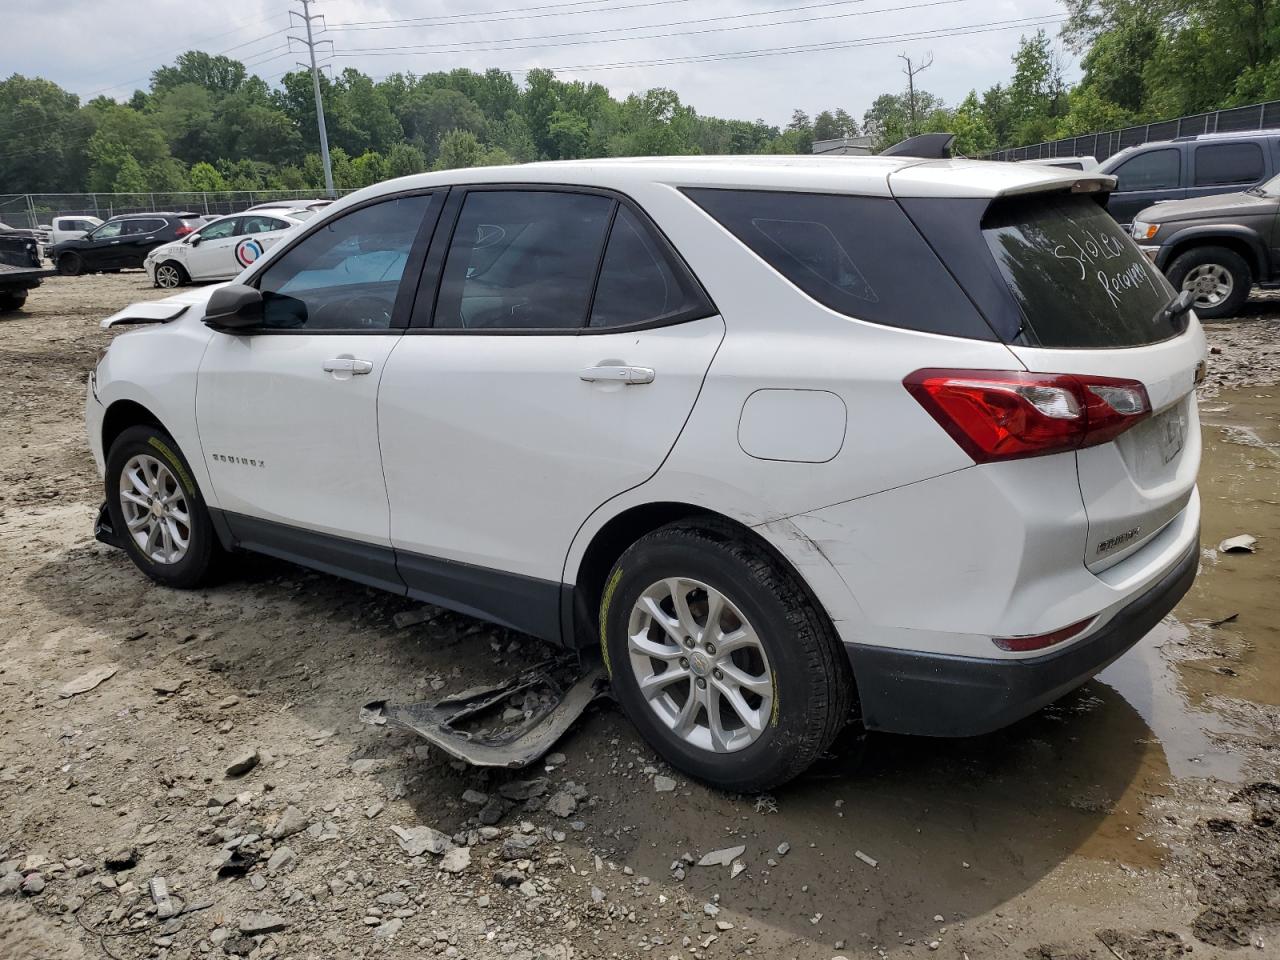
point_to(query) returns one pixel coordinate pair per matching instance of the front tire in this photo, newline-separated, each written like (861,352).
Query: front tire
(71,265)
(1218,278)
(170,275)
(722,658)
(157,509)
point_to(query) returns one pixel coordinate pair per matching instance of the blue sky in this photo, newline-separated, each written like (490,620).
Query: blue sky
(110,46)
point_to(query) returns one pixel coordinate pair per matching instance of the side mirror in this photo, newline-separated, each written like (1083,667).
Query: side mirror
(234,307)
(195,239)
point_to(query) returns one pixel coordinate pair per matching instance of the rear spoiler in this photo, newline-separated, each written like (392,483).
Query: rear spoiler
(138,313)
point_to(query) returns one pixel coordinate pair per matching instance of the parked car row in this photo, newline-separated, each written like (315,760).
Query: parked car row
(83,244)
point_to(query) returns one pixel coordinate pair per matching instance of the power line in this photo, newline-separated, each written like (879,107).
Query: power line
(457,47)
(939,33)
(521,13)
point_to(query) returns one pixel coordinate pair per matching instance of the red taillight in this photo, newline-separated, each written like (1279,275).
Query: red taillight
(1006,414)
(183,230)
(1040,640)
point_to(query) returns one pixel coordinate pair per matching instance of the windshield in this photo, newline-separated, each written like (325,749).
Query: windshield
(1078,280)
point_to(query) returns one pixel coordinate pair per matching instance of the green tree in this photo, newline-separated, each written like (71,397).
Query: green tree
(404,159)
(968,122)
(43,133)
(219,75)
(123,134)
(205,177)
(129,177)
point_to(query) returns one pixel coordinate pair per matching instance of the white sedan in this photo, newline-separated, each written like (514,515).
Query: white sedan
(221,249)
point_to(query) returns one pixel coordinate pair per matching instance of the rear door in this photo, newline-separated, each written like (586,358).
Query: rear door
(565,350)
(1151,177)
(139,237)
(1093,305)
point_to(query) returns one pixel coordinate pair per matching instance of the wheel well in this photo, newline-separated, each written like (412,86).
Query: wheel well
(174,263)
(1234,244)
(612,540)
(122,415)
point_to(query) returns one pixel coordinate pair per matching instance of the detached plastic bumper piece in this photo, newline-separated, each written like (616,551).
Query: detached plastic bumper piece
(558,691)
(103,532)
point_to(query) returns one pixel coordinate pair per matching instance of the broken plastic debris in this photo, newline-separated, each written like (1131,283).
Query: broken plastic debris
(1241,544)
(721,858)
(86,681)
(869,861)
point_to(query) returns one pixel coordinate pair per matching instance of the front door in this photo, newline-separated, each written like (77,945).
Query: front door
(212,255)
(287,413)
(534,394)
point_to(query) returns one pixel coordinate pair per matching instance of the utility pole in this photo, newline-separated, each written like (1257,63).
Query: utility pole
(310,42)
(911,86)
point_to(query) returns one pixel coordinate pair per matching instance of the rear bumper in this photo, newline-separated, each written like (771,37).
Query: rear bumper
(940,695)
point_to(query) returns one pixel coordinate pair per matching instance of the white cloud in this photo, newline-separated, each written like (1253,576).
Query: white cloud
(111,46)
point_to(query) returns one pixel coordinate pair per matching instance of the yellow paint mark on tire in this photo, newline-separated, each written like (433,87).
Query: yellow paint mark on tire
(610,587)
(174,462)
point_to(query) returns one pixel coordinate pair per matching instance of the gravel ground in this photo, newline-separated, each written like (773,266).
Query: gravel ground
(220,752)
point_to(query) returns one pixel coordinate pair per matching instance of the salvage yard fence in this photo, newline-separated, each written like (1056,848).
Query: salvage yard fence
(31,211)
(1257,116)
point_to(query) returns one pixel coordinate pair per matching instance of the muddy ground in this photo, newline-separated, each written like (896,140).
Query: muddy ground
(1138,818)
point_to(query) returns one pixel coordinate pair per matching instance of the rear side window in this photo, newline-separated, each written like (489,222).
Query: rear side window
(1218,164)
(640,282)
(860,256)
(1154,170)
(1078,280)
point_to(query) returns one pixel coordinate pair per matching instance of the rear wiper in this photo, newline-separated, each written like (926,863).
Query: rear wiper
(1177,306)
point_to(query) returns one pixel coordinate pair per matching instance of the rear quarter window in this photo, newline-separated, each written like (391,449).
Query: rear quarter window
(859,256)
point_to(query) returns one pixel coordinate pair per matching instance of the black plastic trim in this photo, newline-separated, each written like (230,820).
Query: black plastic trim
(939,695)
(522,603)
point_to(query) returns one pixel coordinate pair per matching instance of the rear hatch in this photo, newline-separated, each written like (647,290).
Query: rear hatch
(1069,293)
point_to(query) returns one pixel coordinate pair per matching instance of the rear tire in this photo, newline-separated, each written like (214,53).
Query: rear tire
(12,300)
(71,265)
(779,701)
(170,275)
(1218,278)
(157,509)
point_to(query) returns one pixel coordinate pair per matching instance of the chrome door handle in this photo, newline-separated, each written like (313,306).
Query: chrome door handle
(617,373)
(348,365)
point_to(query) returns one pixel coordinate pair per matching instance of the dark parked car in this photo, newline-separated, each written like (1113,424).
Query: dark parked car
(1216,247)
(122,241)
(1187,167)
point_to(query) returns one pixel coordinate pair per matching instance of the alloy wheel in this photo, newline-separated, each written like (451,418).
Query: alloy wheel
(155,509)
(167,276)
(1209,283)
(700,665)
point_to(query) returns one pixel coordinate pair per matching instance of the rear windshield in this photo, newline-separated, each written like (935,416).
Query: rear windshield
(1078,280)
(860,256)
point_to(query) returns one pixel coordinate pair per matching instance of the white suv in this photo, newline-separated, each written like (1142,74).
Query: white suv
(792,442)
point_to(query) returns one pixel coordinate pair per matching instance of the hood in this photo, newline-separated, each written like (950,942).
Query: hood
(162,311)
(1224,205)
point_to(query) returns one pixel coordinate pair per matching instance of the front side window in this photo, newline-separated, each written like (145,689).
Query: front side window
(1156,170)
(108,230)
(221,230)
(1219,164)
(345,275)
(640,282)
(523,260)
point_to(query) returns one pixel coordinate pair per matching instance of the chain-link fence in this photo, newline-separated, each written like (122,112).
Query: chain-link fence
(32,211)
(1257,116)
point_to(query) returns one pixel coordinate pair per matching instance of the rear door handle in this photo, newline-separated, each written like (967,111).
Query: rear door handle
(348,365)
(617,373)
